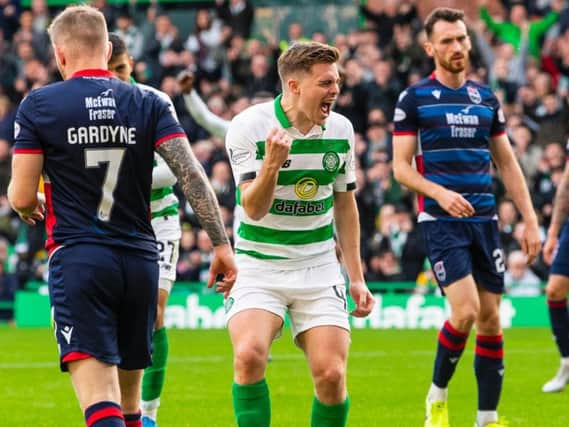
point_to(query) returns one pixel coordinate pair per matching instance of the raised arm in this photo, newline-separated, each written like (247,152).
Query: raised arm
(198,109)
(257,195)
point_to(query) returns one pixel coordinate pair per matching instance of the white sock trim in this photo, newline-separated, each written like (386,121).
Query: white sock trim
(437,393)
(486,417)
(150,408)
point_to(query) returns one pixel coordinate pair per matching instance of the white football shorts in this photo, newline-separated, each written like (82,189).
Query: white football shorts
(168,233)
(313,296)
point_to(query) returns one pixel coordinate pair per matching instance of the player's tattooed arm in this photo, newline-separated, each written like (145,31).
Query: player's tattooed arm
(561,203)
(195,185)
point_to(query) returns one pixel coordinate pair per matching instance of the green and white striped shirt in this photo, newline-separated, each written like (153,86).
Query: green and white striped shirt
(298,230)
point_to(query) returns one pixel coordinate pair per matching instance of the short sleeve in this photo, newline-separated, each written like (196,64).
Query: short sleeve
(405,116)
(242,150)
(499,120)
(26,136)
(346,178)
(167,125)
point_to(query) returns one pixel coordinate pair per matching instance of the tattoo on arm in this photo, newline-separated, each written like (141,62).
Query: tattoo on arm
(195,186)
(561,203)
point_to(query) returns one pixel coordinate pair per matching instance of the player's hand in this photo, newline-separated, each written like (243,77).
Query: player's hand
(549,249)
(38,214)
(531,241)
(222,264)
(33,217)
(456,205)
(363,298)
(186,81)
(277,147)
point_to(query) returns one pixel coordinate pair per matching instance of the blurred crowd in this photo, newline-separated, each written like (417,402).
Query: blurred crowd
(521,49)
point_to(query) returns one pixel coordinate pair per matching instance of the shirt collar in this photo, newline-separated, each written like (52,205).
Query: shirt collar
(92,73)
(283,119)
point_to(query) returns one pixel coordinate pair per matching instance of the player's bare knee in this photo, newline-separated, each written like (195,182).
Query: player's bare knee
(329,377)
(464,318)
(555,292)
(249,358)
(488,323)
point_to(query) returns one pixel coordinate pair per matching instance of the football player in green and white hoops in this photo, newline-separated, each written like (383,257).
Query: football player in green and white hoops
(293,162)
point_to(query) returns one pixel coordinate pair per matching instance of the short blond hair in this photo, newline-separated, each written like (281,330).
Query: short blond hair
(301,56)
(82,27)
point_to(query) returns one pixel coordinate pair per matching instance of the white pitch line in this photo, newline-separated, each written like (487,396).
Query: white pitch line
(275,357)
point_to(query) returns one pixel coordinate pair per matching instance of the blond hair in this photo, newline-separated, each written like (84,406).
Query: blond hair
(301,56)
(81,28)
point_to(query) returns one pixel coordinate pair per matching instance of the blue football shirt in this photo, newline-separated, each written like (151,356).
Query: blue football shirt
(453,129)
(98,136)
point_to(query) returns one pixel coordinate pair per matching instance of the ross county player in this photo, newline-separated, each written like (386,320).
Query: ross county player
(454,128)
(92,138)
(166,225)
(555,253)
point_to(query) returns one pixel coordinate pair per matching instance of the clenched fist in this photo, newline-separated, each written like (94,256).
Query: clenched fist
(277,147)
(186,81)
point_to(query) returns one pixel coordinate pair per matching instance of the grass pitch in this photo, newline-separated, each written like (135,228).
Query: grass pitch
(388,375)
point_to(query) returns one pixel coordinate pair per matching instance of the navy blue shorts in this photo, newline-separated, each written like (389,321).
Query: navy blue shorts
(560,263)
(103,302)
(459,248)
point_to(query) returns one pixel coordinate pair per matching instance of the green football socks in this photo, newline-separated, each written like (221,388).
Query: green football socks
(329,415)
(153,379)
(252,404)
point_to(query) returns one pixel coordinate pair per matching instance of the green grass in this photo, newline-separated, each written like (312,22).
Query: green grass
(389,373)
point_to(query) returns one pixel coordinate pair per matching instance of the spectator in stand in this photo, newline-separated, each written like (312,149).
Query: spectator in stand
(295,34)
(9,17)
(519,280)
(383,15)
(527,152)
(507,219)
(161,46)
(27,33)
(263,77)
(353,99)
(238,61)
(5,160)
(132,36)
(552,117)
(406,53)
(528,104)
(237,17)
(204,43)
(384,88)
(519,27)
(8,68)
(383,267)
(223,184)
(41,18)
(412,253)
(543,188)
(7,116)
